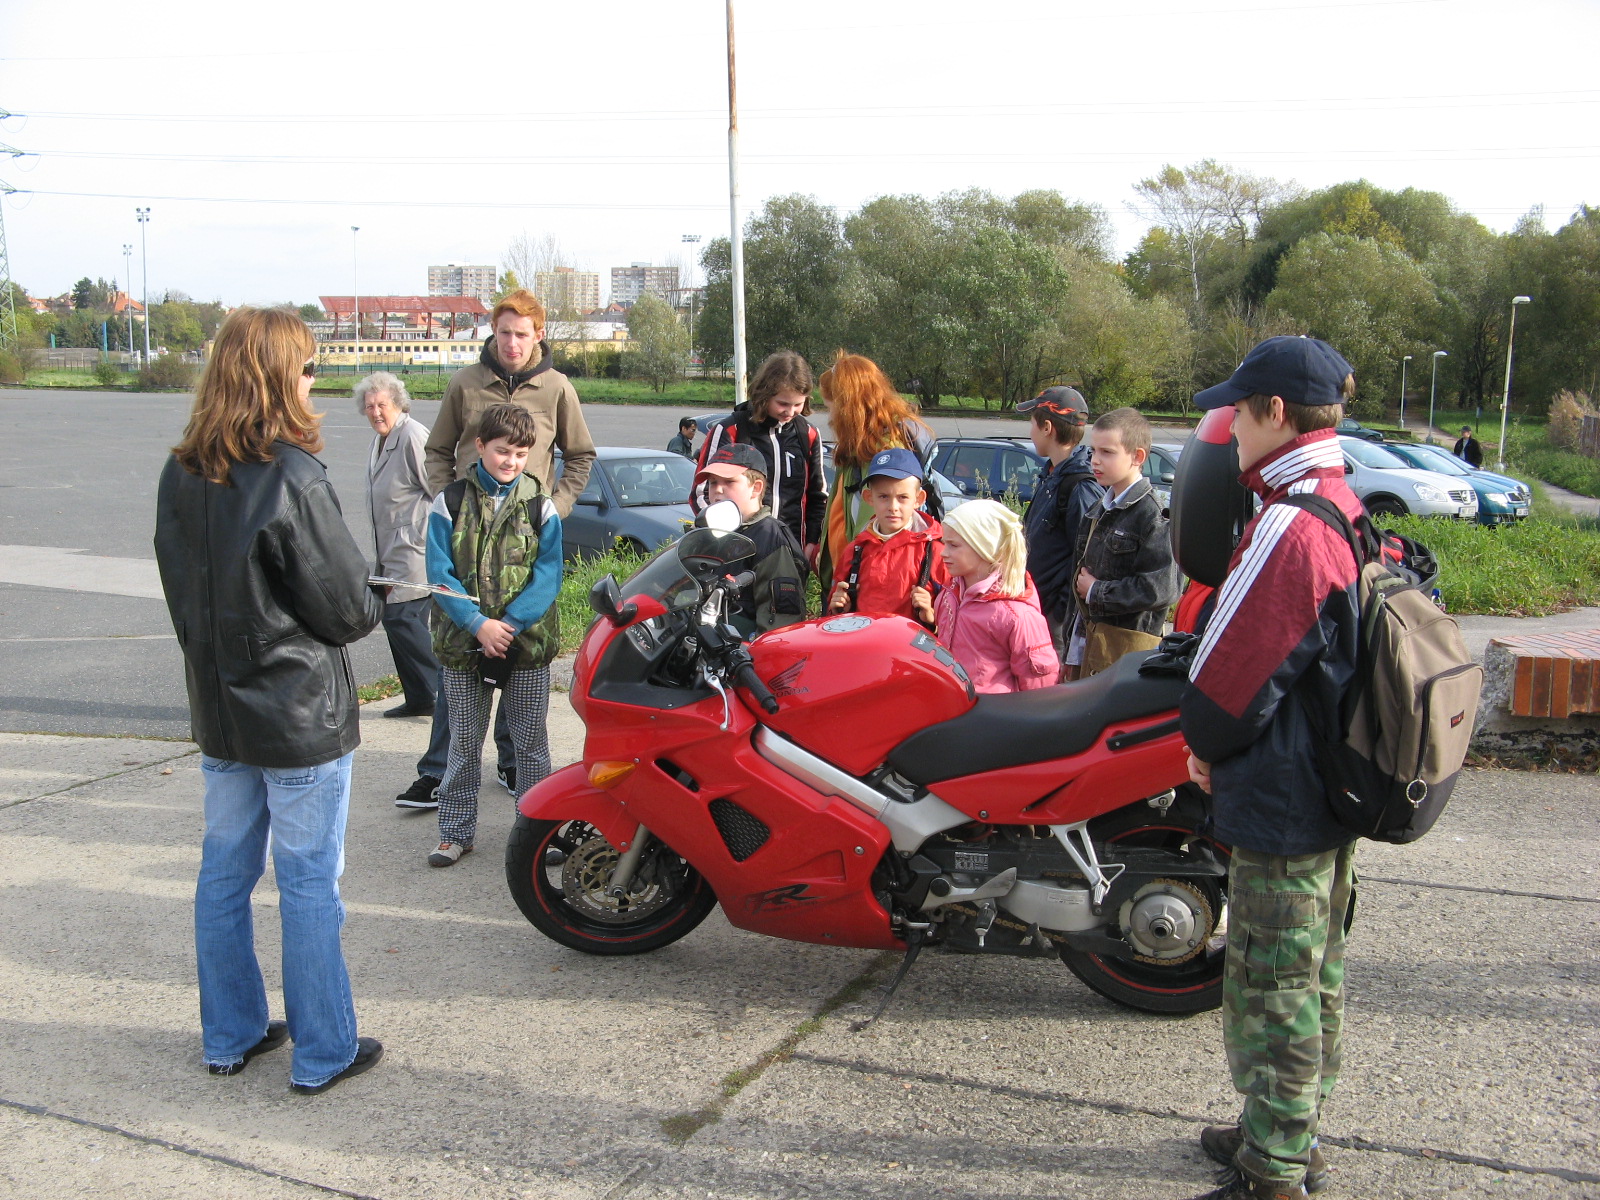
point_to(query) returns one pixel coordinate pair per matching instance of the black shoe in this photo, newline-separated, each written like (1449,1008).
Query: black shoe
(424,793)
(508,779)
(1221,1143)
(277,1034)
(368,1052)
(410,710)
(1236,1185)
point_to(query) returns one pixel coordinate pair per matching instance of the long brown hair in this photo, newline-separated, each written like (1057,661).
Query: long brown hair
(865,411)
(249,394)
(780,371)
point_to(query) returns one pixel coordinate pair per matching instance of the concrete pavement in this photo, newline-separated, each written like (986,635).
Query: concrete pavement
(517,1068)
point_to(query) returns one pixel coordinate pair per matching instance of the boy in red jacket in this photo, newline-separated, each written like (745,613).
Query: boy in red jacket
(899,548)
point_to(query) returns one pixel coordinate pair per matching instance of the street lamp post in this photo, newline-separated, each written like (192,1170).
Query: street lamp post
(1505,400)
(355,298)
(1403,363)
(1433,388)
(144,263)
(692,239)
(127,288)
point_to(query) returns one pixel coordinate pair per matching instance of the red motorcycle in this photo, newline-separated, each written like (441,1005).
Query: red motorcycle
(839,782)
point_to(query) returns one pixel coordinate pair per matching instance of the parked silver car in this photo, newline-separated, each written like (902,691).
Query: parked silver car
(1389,486)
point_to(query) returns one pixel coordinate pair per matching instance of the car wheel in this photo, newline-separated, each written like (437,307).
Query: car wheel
(1386,506)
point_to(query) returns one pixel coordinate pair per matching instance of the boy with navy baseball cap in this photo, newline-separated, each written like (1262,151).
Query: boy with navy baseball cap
(898,551)
(1270,673)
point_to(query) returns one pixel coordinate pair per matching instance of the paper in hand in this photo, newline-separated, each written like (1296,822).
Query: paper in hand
(438,589)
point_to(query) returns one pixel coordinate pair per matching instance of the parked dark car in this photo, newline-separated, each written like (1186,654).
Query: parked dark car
(637,497)
(1349,427)
(989,466)
(1501,499)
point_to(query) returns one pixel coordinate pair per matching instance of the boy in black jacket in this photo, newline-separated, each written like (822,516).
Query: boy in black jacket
(778,596)
(1126,578)
(1063,496)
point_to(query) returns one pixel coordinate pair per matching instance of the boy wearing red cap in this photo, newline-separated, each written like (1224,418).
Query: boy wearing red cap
(737,473)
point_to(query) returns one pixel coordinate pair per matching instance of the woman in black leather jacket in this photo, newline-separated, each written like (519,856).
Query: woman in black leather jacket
(266,587)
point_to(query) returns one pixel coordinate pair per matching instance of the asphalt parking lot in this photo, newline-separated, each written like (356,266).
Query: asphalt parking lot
(723,1066)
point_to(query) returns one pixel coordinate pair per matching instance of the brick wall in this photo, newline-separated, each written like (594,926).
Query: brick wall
(1555,674)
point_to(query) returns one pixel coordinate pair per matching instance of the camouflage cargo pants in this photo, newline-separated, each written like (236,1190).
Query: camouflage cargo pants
(1283,999)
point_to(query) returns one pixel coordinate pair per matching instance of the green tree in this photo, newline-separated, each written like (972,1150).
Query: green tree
(658,344)
(1367,298)
(311,312)
(1119,348)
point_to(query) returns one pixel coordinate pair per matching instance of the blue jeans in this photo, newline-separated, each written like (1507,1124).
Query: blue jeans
(303,810)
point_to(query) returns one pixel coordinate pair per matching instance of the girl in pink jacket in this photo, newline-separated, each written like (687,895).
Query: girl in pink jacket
(988,616)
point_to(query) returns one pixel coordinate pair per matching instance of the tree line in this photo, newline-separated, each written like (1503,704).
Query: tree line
(973,294)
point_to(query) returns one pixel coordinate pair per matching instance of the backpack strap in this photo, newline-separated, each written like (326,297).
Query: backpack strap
(925,573)
(1064,489)
(454,494)
(853,579)
(1364,541)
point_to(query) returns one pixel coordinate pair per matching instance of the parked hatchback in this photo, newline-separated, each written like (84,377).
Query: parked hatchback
(1390,486)
(989,466)
(1500,498)
(639,498)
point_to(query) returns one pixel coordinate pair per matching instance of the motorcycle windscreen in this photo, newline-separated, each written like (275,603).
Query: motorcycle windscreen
(1210,507)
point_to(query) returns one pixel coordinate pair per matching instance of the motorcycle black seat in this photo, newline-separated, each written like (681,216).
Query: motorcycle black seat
(1015,728)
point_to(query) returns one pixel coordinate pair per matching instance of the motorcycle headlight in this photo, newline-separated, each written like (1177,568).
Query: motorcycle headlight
(1499,497)
(1430,495)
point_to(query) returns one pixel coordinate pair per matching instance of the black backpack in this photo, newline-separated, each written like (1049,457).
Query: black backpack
(1407,717)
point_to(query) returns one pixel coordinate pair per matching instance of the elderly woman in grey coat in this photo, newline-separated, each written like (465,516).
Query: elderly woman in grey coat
(398,501)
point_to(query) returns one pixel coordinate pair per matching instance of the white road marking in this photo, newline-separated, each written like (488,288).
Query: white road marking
(78,571)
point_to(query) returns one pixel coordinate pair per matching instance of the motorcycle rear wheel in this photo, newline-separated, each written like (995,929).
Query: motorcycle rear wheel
(1175,988)
(558,872)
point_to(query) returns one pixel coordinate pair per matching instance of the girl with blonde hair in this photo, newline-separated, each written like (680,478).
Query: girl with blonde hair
(866,415)
(988,617)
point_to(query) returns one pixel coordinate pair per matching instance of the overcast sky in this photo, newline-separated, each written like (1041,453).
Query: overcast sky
(259,134)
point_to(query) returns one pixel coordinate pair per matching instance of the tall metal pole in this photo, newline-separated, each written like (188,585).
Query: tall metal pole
(736,235)
(692,240)
(144,265)
(1432,389)
(127,288)
(355,298)
(1403,363)
(1505,400)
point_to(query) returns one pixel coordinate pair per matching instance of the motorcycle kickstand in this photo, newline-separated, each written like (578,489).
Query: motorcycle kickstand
(914,942)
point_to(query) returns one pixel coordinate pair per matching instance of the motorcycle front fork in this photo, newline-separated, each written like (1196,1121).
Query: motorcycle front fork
(628,864)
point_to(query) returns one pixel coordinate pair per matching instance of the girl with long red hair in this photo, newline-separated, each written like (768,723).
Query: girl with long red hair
(867,414)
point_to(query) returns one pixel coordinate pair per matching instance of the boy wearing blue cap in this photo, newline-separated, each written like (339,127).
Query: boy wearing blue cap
(898,550)
(1271,670)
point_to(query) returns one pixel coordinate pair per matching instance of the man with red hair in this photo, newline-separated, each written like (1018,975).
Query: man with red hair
(514,367)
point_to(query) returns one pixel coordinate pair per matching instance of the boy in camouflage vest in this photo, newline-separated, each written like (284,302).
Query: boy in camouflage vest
(494,536)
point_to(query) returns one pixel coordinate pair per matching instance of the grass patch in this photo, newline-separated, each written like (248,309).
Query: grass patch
(581,575)
(379,689)
(1575,472)
(1546,564)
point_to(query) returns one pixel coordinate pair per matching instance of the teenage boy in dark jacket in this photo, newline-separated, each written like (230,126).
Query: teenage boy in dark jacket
(773,422)
(1272,667)
(1063,496)
(777,596)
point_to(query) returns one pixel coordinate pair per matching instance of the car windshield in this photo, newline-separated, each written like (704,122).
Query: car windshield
(1442,461)
(1369,455)
(642,481)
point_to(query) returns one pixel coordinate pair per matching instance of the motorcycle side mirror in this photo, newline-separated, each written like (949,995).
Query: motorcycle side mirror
(605,598)
(708,553)
(723,515)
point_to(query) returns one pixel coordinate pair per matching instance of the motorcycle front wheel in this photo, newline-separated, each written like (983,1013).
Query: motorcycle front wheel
(559,873)
(1176,981)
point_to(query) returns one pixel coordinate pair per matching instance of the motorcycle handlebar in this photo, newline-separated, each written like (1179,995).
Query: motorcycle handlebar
(744,674)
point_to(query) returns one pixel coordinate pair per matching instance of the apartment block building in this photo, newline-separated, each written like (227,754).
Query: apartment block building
(631,282)
(567,290)
(453,280)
